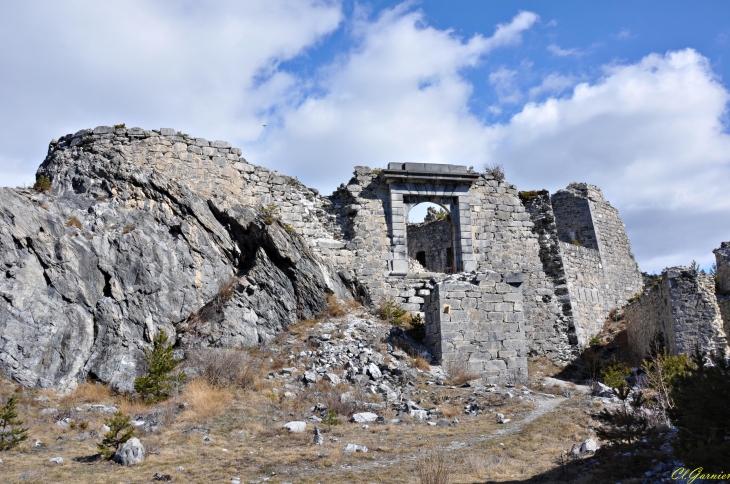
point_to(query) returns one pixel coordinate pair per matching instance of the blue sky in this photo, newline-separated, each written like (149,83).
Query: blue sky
(630,96)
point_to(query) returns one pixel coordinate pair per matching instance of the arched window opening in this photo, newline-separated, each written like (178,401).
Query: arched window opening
(430,239)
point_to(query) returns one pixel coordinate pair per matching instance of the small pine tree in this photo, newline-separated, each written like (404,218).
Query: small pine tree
(157,384)
(11,434)
(120,431)
(627,424)
(701,412)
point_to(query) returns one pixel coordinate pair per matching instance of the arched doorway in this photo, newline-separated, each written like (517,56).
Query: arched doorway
(430,239)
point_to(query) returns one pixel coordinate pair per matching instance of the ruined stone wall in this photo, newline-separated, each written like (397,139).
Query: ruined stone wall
(539,206)
(596,252)
(648,316)
(722,258)
(477,320)
(574,220)
(504,242)
(434,239)
(682,306)
(586,286)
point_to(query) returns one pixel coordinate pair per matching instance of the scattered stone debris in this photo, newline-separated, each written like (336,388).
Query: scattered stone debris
(350,448)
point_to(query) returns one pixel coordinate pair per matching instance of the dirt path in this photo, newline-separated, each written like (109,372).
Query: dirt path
(545,405)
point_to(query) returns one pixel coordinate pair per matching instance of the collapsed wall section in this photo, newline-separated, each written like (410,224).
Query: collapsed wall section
(477,322)
(722,258)
(600,268)
(681,307)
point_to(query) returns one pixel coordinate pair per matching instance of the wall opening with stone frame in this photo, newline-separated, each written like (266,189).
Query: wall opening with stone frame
(430,243)
(411,184)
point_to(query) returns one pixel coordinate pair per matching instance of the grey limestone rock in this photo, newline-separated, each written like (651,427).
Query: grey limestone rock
(131,241)
(295,426)
(130,453)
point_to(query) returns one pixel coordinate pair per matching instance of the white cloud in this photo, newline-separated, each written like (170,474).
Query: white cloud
(650,134)
(397,96)
(511,33)
(208,69)
(504,82)
(553,83)
(556,50)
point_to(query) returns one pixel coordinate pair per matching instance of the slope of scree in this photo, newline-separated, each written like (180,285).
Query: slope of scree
(126,244)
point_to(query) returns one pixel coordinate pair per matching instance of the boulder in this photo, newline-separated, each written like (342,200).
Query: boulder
(588,445)
(130,453)
(295,427)
(364,417)
(350,448)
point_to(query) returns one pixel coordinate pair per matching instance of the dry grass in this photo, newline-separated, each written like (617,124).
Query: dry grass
(89,393)
(224,367)
(74,222)
(132,406)
(451,410)
(335,308)
(421,363)
(205,401)
(433,468)
(459,373)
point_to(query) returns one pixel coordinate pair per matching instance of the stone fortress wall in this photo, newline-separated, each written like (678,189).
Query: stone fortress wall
(722,257)
(681,309)
(360,229)
(476,321)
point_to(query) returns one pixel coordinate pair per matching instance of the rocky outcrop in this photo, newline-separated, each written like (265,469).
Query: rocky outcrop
(135,237)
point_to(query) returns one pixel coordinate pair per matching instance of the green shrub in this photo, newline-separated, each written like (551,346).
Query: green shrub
(42,184)
(527,195)
(615,374)
(634,298)
(270,212)
(595,341)
(393,313)
(120,126)
(662,371)
(628,423)
(330,418)
(701,412)
(157,384)
(576,242)
(120,431)
(417,330)
(11,432)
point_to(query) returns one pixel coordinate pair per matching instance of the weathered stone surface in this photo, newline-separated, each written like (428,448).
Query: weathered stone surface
(681,307)
(128,244)
(130,453)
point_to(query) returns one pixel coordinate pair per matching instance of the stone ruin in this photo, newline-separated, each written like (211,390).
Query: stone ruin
(682,308)
(503,276)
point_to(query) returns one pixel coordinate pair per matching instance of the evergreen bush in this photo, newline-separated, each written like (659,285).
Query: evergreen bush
(120,431)
(11,432)
(157,384)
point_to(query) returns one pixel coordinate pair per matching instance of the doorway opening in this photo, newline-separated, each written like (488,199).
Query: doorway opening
(430,239)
